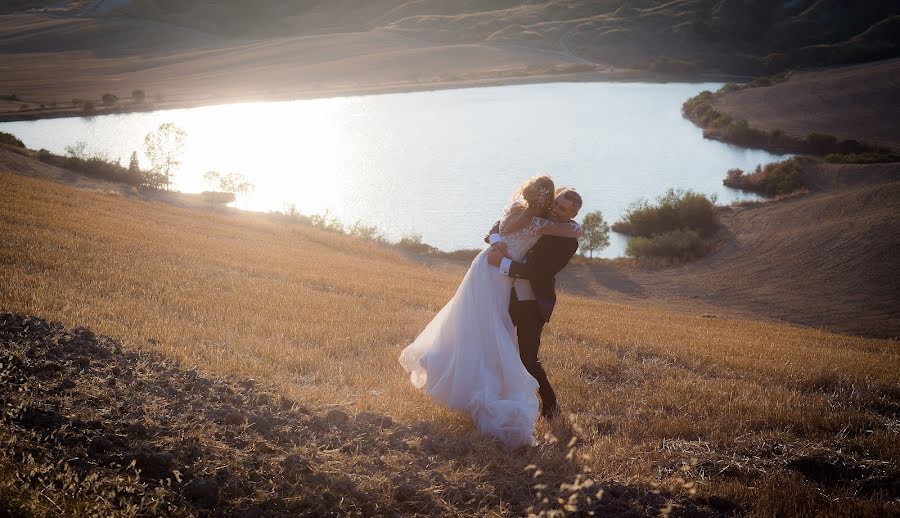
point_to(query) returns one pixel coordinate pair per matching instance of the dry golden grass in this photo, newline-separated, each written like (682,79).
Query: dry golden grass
(704,406)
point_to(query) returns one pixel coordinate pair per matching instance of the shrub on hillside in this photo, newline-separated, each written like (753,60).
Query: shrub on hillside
(413,243)
(367,232)
(772,180)
(741,133)
(327,222)
(674,210)
(109,99)
(291,214)
(681,244)
(10,140)
(88,108)
(730,87)
(95,167)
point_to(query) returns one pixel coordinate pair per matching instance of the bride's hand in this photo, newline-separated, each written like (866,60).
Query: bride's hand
(578,230)
(495,256)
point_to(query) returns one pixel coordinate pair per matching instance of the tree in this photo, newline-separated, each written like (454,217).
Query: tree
(133,166)
(164,148)
(134,169)
(138,96)
(596,233)
(235,183)
(78,150)
(109,99)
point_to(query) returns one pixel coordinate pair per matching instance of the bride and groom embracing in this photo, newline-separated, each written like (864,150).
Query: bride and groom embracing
(479,355)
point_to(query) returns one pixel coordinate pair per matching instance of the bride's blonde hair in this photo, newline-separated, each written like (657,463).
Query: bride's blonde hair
(536,193)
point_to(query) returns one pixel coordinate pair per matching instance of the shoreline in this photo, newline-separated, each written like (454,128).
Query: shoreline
(603,76)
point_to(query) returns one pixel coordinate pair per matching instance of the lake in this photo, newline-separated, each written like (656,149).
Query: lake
(441,164)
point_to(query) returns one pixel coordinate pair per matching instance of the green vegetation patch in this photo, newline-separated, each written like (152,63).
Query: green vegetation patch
(96,167)
(682,244)
(679,226)
(10,140)
(674,210)
(770,180)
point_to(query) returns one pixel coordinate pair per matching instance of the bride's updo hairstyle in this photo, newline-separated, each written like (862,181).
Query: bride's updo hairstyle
(536,192)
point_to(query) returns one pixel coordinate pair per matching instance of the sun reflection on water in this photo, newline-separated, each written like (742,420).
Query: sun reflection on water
(297,146)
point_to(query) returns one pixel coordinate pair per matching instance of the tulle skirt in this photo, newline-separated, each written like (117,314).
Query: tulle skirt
(467,359)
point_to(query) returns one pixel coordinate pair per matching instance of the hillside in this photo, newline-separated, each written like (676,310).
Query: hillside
(825,258)
(727,35)
(664,409)
(851,102)
(202,52)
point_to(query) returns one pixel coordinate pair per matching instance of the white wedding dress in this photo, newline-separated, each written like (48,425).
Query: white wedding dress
(467,357)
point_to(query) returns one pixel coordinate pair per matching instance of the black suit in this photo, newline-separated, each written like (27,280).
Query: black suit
(545,259)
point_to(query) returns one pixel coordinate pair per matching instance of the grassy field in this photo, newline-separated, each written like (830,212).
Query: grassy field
(778,419)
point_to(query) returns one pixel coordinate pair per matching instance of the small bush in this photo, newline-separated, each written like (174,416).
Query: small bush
(681,244)
(676,209)
(740,132)
(772,180)
(413,243)
(10,140)
(327,222)
(367,232)
(109,99)
(291,214)
(88,108)
(94,166)
(138,96)
(730,87)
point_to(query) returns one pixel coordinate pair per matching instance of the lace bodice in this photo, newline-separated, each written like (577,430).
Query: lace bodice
(519,242)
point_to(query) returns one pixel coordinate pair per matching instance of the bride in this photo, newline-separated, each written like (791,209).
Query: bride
(467,357)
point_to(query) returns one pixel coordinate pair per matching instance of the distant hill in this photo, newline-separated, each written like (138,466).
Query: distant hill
(682,36)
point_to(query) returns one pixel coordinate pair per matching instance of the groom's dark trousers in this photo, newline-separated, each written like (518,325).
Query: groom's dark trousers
(529,325)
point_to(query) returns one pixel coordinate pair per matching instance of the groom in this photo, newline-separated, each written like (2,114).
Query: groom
(534,290)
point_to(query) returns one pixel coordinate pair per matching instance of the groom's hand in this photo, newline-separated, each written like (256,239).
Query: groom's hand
(495,255)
